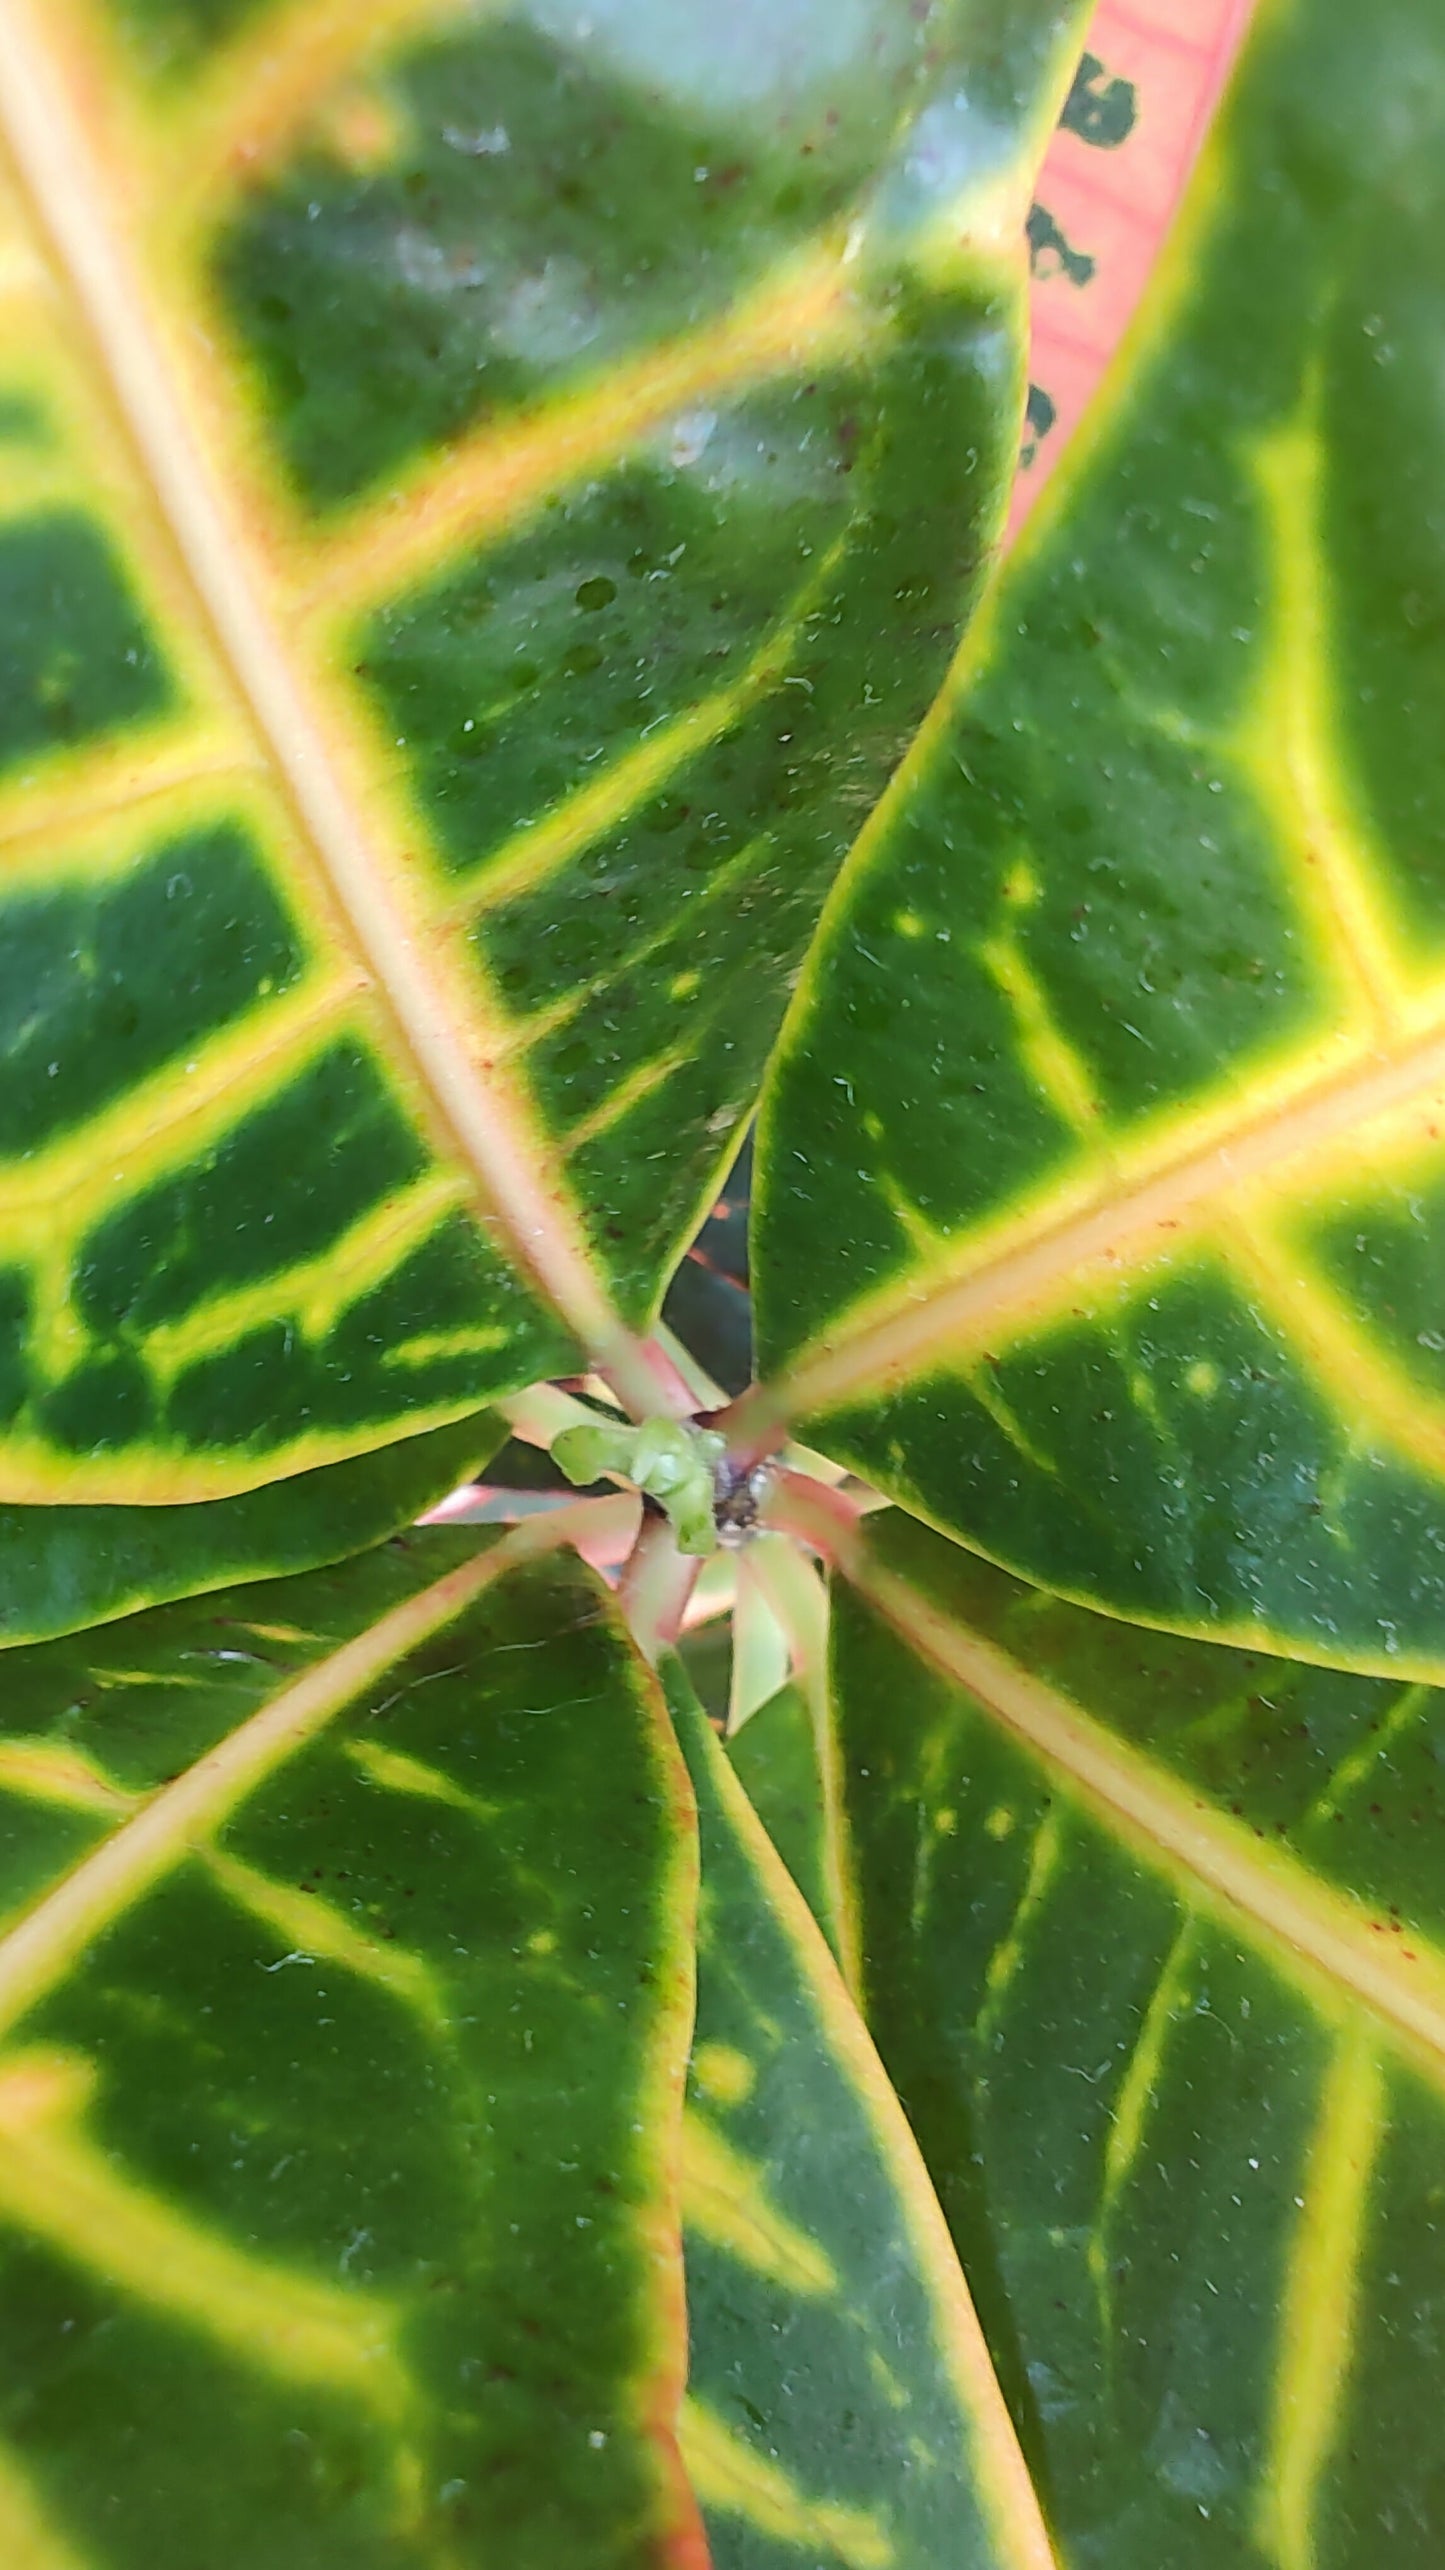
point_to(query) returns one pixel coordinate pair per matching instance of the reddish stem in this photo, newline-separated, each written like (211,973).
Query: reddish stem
(823,1518)
(752,1426)
(657,1582)
(671,1396)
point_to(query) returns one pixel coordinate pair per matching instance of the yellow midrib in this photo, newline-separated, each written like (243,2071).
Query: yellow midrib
(485,1115)
(182,1816)
(1333,1943)
(900,1336)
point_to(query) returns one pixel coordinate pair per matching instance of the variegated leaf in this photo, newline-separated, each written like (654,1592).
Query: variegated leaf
(1153,1945)
(1102,1191)
(345,1988)
(62,1569)
(486,495)
(842,2412)
(1143,97)
(775,1756)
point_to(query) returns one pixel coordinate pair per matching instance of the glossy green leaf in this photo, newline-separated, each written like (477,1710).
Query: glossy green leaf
(345,1986)
(775,1757)
(842,2413)
(65,1568)
(1102,1190)
(486,498)
(1153,1944)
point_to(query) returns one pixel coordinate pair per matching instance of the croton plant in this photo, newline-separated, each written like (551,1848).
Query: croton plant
(863,1989)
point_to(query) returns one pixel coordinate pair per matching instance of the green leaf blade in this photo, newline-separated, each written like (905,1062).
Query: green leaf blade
(1114,1082)
(314,2250)
(841,2405)
(63,1569)
(486,504)
(775,1757)
(1167,2013)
